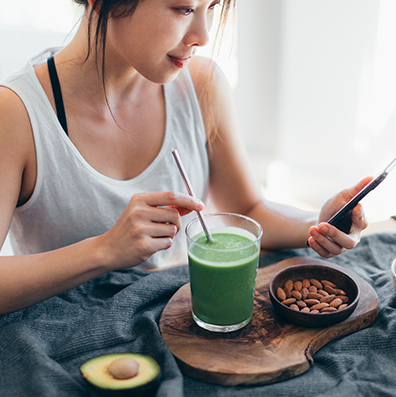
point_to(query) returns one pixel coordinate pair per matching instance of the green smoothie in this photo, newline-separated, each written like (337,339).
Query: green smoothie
(223,276)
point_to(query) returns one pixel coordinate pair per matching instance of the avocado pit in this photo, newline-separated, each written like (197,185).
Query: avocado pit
(123,368)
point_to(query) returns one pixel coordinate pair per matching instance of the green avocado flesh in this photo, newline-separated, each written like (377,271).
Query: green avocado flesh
(96,372)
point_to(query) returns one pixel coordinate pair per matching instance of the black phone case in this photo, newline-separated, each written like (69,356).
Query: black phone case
(345,223)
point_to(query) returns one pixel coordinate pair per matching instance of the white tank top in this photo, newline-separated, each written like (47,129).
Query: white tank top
(72,201)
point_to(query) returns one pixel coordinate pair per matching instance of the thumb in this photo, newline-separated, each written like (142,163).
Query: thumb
(353,191)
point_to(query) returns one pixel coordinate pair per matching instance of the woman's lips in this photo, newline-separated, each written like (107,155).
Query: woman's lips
(180,62)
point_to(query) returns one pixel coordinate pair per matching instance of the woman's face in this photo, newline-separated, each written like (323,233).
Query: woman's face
(159,38)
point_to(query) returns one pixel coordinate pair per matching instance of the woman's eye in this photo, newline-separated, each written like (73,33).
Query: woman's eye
(214,5)
(186,11)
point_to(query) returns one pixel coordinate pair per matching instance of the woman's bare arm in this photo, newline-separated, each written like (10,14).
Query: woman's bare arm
(147,225)
(25,280)
(234,188)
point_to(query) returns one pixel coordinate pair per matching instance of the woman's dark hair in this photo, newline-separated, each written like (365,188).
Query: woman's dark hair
(123,8)
(104,9)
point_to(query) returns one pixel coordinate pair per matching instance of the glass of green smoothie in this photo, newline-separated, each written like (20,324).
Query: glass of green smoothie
(223,272)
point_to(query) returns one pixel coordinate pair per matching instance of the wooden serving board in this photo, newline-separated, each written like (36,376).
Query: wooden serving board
(268,349)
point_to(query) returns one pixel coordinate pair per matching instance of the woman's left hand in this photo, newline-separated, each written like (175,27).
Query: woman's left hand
(329,241)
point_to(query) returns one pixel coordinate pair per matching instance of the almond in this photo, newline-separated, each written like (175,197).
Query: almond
(311,302)
(335,303)
(339,291)
(330,290)
(322,292)
(280,293)
(297,295)
(343,306)
(327,299)
(289,284)
(289,301)
(294,307)
(287,292)
(313,295)
(326,282)
(304,292)
(301,304)
(305,310)
(306,283)
(298,285)
(328,310)
(344,298)
(316,283)
(314,311)
(319,306)
(312,288)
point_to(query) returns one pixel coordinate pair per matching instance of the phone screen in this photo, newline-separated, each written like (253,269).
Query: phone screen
(342,219)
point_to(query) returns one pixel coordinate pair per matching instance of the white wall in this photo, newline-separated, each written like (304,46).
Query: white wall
(319,82)
(257,92)
(328,49)
(27,27)
(18,45)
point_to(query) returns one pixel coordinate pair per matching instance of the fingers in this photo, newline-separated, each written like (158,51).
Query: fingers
(360,185)
(173,199)
(158,217)
(320,249)
(148,224)
(359,221)
(159,214)
(348,194)
(322,244)
(339,200)
(164,207)
(328,241)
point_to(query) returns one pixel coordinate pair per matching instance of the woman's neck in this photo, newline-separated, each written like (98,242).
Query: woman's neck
(84,76)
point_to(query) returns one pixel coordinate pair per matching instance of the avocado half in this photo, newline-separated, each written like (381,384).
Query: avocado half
(96,372)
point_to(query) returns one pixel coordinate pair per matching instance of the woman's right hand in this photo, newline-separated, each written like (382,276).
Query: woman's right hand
(147,225)
(329,241)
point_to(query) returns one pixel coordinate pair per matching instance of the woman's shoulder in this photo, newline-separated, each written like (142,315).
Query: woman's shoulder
(19,92)
(17,148)
(201,66)
(15,127)
(12,110)
(213,91)
(205,73)
(209,82)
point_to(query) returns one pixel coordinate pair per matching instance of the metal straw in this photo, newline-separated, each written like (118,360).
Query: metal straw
(191,192)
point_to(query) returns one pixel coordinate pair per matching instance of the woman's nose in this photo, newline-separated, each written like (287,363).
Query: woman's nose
(198,33)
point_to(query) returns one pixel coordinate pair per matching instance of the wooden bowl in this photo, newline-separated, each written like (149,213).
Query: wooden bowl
(318,272)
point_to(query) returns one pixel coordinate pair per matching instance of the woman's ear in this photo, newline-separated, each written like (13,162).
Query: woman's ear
(96,7)
(93,5)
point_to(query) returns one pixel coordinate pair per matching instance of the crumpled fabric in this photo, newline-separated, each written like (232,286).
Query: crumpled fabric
(43,347)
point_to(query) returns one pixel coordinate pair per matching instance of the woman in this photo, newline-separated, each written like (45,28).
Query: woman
(88,181)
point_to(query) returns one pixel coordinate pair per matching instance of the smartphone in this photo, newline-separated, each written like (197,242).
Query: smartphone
(342,219)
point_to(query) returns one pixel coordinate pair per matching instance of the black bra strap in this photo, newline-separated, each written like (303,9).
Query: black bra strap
(60,108)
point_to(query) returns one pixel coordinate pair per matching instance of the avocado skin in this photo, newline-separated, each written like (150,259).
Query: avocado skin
(146,390)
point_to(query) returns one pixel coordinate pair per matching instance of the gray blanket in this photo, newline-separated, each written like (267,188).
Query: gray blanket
(42,347)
